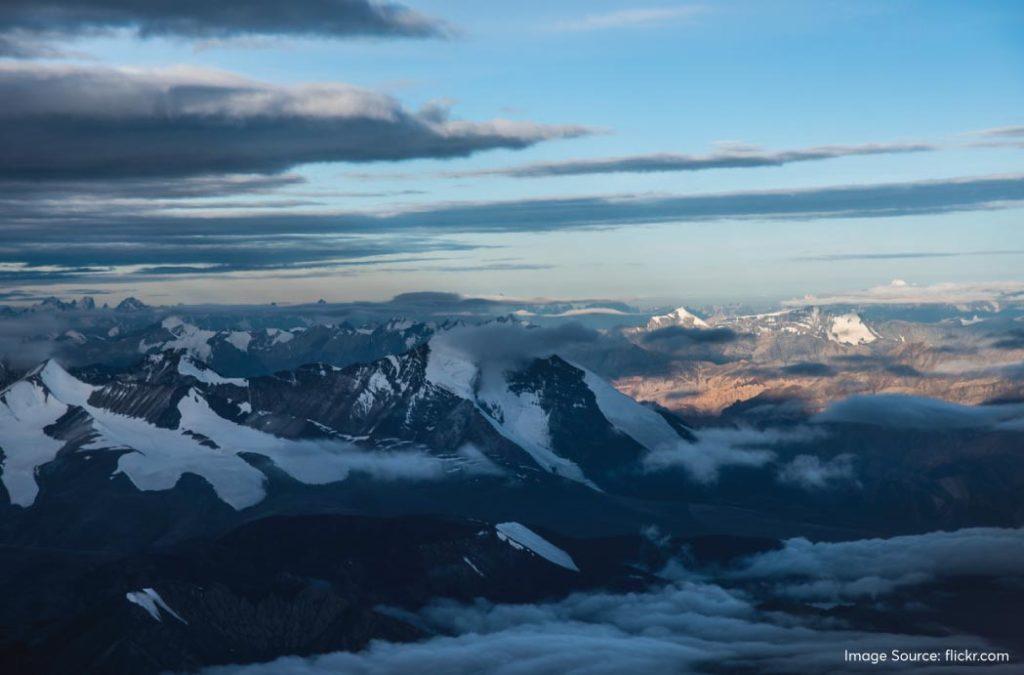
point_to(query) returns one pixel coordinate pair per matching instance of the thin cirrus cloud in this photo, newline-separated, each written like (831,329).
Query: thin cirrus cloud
(1000,137)
(28,28)
(729,157)
(629,18)
(101,122)
(899,292)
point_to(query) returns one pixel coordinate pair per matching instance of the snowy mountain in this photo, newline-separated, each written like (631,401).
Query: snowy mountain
(677,317)
(426,412)
(840,327)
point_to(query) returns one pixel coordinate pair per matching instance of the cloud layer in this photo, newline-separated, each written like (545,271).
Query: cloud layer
(272,238)
(696,624)
(24,23)
(62,122)
(730,157)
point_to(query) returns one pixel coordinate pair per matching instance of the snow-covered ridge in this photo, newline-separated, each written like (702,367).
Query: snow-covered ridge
(26,409)
(521,537)
(203,443)
(637,421)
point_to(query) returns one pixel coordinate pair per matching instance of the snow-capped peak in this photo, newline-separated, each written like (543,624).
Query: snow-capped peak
(677,317)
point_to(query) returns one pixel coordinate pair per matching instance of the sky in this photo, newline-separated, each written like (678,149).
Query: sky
(698,152)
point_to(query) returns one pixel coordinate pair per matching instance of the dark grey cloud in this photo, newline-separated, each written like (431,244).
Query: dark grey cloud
(76,122)
(808,369)
(1012,339)
(741,157)
(105,236)
(691,336)
(28,22)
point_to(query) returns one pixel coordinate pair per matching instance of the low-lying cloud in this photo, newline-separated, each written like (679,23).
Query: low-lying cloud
(811,473)
(899,411)
(696,624)
(839,572)
(504,345)
(717,448)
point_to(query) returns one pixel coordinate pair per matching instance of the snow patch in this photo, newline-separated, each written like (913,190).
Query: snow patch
(189,368)
(520,537)
(472,566)
(239,340)
(149,600)
(848,329)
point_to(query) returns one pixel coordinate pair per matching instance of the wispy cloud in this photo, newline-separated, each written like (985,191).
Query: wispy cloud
(35,235)
(728,157)
(631,18)
(903,255)
(899,292)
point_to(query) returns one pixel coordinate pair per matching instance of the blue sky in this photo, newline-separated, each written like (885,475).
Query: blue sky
(643,78)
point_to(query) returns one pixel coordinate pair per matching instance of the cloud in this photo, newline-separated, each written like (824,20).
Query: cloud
(899,411)
(1012,339)
(1001,132)
(102,122)
(904,255)
(693,625)
(808,369)
(28,339)
(631,18)
(53,20)
(681,335)
(502,345)
(716,448)
(276,238)
(731,157)
(839,572)
(809,472)
(899,292)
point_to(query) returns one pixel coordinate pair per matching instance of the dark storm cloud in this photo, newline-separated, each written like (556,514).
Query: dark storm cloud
(53,19)
(72,122)
(729,158)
